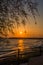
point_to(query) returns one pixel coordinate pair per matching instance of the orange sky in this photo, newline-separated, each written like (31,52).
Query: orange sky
(29,32)
(31,29)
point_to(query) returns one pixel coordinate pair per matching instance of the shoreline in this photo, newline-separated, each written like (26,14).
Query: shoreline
(19,38)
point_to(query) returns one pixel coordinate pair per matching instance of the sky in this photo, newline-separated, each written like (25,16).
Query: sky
(21,18)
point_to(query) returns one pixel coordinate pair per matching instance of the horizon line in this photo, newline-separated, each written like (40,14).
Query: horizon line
(22,37)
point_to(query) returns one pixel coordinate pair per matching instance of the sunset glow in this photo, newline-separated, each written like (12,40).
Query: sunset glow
(21,32)
(25,22)
(20,45)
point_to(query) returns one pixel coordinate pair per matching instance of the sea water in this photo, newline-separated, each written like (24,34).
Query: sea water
(11,45)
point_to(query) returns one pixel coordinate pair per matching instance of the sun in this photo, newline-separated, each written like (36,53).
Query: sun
(21,32)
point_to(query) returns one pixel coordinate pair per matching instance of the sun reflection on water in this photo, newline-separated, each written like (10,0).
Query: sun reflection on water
(21,44)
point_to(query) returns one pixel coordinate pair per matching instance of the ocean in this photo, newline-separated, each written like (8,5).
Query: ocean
(22,44)
(10,46)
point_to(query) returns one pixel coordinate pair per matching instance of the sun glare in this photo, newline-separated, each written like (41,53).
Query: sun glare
(21,32)
(20,44)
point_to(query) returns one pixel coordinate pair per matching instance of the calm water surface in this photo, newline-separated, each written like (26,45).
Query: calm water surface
(10,45)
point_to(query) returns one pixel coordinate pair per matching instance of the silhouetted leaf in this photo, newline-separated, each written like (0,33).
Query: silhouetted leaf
(12,10)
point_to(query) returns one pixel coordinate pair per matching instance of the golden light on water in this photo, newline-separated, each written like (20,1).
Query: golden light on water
(20,44)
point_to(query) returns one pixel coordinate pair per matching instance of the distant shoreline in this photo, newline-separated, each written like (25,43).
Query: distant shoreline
(19,38)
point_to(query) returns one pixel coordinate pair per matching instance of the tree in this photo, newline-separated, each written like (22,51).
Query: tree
(11,10)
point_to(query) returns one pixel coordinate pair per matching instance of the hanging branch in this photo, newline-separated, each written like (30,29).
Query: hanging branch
(12,10)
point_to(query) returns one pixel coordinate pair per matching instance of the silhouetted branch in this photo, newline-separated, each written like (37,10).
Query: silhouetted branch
(12,10)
